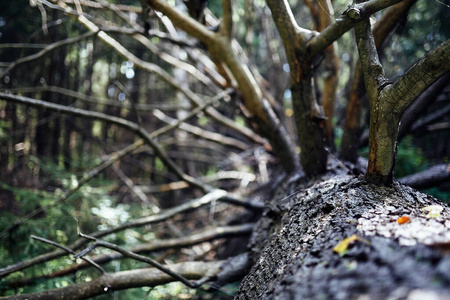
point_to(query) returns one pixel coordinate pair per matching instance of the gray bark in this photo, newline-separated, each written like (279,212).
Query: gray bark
(389,260)
(428,178)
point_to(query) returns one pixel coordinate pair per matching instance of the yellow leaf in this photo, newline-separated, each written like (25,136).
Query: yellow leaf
(342,246)
(432,211)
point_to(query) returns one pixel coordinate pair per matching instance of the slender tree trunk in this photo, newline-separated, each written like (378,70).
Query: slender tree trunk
(355,108)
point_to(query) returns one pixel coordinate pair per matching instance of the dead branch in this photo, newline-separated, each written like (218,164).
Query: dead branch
(85,179)
(154,245)
(125,280)
(130,254)
(221,175)
(131,126)
(205,134)
(47,49)
(96,100)
(68,250)
(216,195)
(430,177)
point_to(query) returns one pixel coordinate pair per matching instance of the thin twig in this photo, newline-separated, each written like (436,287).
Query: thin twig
(217,194)
(68,250)
(86,178)
(152,246)
(130,254)
(46,50)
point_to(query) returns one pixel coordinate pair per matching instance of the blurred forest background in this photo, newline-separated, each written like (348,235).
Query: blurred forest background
(56,168)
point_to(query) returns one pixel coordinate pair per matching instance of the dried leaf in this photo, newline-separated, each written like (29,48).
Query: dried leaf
(342,246)
(432,211)
(404,220)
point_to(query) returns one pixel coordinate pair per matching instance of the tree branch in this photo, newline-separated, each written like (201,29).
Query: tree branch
(226,25)
(68,250)
(133,127)
(353,120)
(217,194)
(330,34)
(46,50)
(132,255)
(208,135)
(410,119)
(85,179)
(184,22)
(419,77)
(430,177)
(288,27)
(221,47)
(153,245)
(331,65)
(124,280)
(97,100)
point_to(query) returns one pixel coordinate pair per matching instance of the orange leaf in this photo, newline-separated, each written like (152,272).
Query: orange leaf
(403,220)
(342,246)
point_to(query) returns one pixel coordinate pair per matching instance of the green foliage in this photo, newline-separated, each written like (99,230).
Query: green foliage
(4,126)
(57,223)
(439,193)
(410,158)
(425,28)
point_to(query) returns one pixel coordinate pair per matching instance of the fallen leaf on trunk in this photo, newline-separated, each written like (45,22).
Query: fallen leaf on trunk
(404,220)
(432,211)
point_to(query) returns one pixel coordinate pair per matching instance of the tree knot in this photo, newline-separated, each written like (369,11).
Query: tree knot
(353,12)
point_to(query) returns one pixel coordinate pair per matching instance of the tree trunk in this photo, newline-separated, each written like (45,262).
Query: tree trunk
(389,259)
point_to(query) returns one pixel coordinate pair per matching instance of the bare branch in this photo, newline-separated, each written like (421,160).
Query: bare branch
(221,175)
(288,28)
(133,127)
(219,195)
(85,179)
(419,77)
(96,5)
(410,120)
(353,126)
(430,177)
(97,100)
(186,23)
(46,50)
(154,245)
(22,45)
(372,69)
(68,250)
(125,280)
(319,42)
(208,135)
(331,65)
(130,254)
(136,190)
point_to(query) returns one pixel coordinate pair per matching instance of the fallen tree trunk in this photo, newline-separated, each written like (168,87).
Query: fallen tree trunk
(390,256)
(428,178)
